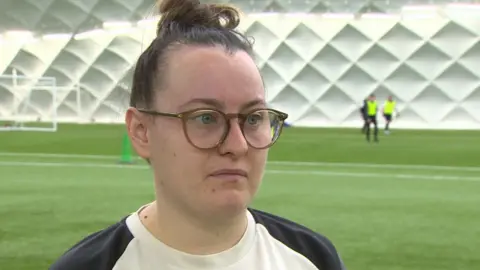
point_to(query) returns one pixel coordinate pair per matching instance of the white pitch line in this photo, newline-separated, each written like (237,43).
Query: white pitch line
(377,166)
(379,175)
(294,172)
(48,155)
(291,163)
(71,164)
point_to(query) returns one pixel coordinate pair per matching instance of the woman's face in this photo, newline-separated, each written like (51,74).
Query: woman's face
(205,77)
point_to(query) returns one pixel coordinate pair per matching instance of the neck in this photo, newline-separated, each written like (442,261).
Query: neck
(190,234)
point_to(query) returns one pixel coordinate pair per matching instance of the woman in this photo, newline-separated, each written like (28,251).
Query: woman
(198,116)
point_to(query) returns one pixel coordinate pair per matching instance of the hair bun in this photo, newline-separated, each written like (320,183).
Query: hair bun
(192,13)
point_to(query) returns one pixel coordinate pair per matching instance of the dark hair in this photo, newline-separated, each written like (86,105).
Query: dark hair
(184,22)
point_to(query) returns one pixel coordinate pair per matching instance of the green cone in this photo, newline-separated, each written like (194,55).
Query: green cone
(126,150)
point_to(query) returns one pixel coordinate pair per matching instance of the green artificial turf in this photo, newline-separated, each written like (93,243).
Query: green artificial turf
(419,212)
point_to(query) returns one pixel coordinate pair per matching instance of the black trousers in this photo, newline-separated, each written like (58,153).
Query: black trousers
(388,119)
(365,124)
(372,119)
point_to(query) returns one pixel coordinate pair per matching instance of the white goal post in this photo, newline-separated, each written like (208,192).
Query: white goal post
(31,104)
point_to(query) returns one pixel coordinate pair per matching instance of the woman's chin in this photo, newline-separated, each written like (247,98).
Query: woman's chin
(230,200)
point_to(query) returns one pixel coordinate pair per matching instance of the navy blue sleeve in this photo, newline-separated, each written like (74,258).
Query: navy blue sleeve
(314,246)
(98,251)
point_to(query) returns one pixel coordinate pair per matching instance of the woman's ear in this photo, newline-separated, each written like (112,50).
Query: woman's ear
(137,130)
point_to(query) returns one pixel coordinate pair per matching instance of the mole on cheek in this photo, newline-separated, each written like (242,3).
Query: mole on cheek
(213,190)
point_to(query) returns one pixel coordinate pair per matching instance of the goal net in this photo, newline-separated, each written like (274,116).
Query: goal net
(27,103)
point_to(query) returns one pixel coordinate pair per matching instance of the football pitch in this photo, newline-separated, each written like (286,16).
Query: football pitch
(411,202)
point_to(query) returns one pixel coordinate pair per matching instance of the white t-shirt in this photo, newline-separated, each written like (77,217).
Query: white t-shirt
(269,243)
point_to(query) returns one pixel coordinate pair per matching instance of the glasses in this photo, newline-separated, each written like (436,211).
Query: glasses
(208,128)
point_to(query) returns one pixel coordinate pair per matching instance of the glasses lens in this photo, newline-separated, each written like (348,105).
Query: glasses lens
(261,128)
(205,128)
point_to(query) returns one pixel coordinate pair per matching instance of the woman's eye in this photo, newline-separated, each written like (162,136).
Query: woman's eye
(206,118)
(254,119)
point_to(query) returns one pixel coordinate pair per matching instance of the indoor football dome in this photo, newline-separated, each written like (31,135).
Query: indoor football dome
(71,61)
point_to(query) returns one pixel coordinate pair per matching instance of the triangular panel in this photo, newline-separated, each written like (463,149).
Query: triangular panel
(274,84)
(118,98)
(424,27)
(68,13)
(62,80)
(304,42)
(111,64)
(6,100)
(259,60)
(286,62)
(460,118)
(410,115)
(474,96)
(372,8)
(47,50)
(471,58)
(40,101)
(330,63)
(429,61)
(126,47)
(72,99)
(313,117)
(266,42)
(356,83)
(27,62)
(290,101)
(69,65)
(30,112)
(351,42)
(96,81)
(320,7)
(281,24)
(67,112)
(354,117)
(336,104)
(405,83)
(298,6)
(378,62)
(274,7)
(472,103)
(86,49)
(453,31)
(8,51)
(105,114)
(310,83)
(400,41)
(244,5)
(466,16)
(457,82)
(326,28)
(432,104)
(374,28)
(382,93)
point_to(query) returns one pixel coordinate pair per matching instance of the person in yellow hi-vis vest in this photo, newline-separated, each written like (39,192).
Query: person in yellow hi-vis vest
(372,109)
(389,107)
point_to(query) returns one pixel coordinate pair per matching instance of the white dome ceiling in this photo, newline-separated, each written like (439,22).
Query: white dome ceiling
(95,68)
(67,16)
(53,16)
